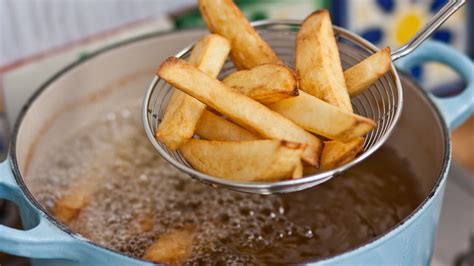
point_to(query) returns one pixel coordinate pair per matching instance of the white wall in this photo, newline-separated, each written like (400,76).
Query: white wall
(31,26)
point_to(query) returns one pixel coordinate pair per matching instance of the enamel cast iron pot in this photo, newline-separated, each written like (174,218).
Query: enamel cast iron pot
(118,75)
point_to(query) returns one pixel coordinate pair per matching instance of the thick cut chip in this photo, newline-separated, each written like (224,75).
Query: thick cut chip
(248,48)
(173,247)
(298,172)
(360,76)
(256,160)
(68,207)
(337,153)
(183,112)
(323,118)
(305,110)
(214,127)
(238,107)
(318,65)
(268,83)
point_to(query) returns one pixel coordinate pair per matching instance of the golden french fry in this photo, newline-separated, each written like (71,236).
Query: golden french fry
(336,153)
(360,76)
(214,127)
(238,107)
(183,111)
(318,65)
(248,48)
(68,207)
(323,118)
(255,160)
(173,247)
(298,172)
(305,110)
(266,83)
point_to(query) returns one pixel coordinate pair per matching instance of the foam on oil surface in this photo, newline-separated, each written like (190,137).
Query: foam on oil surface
(133,182)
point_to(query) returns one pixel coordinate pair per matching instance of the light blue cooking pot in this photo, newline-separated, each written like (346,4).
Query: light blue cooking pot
(119,74)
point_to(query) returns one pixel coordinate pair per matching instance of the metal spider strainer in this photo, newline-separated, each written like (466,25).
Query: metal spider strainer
(382,102)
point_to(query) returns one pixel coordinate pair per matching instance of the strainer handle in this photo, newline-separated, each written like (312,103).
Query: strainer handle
(43,240)
(437,20)
(458,108)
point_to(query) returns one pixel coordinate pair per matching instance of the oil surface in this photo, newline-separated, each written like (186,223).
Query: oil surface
(132,184)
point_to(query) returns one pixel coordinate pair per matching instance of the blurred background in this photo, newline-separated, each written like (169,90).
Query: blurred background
(39,37)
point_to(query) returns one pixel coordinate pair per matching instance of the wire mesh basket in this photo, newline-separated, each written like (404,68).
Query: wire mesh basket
(382,102)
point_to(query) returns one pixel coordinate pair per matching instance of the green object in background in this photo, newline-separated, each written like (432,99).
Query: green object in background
(83,55)
(258,10)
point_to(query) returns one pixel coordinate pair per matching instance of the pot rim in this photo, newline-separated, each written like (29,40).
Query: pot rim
(441,179)
(64,71)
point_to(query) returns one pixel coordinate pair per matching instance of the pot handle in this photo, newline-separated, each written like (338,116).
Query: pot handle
(455,109)
(43,240)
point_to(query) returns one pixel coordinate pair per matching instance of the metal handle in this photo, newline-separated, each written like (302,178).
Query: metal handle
(455,109)
(43,240)
(437,20)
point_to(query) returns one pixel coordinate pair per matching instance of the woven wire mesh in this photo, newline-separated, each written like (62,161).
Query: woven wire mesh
(381,102)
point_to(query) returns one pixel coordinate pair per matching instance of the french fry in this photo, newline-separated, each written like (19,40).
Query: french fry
(305,110)
(238,107)
(298,172)
(319,68)
(323,118)
(173,247)
(336,153)
(256,160)
(214,127)
(360,76)
(268,83)
(77,197)
(248,48)
(318,65)
(183,111)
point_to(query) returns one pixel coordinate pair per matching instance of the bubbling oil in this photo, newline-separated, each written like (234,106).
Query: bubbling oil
(133,182)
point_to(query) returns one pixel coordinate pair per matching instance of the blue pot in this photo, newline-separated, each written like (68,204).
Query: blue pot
(421,136)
